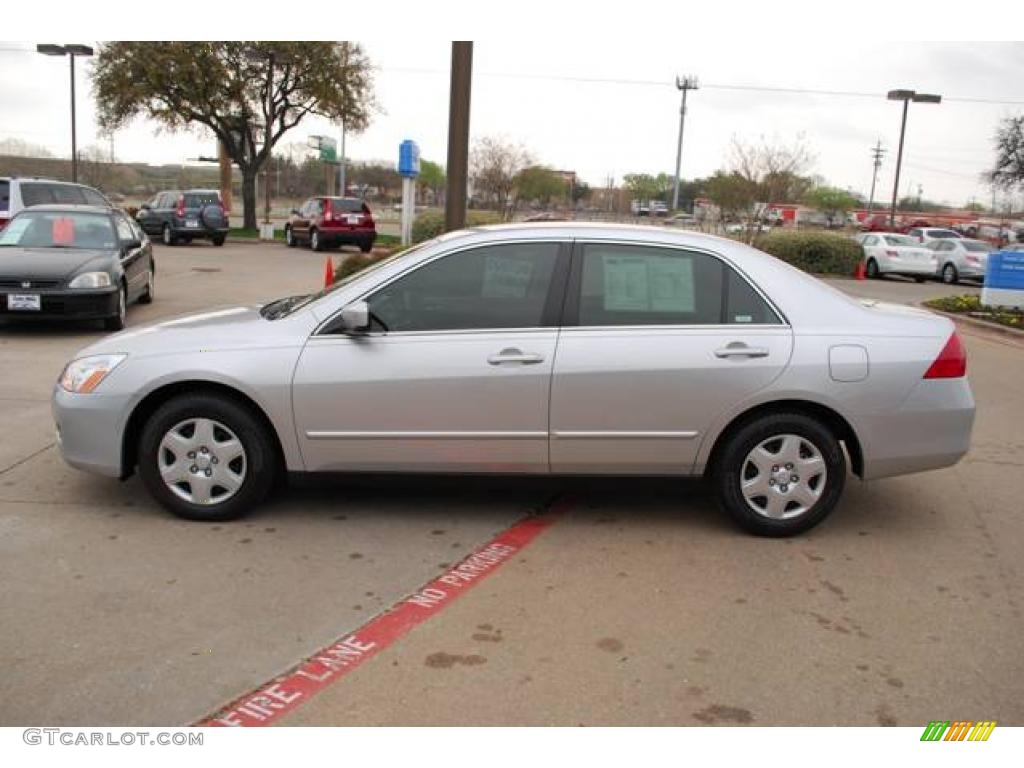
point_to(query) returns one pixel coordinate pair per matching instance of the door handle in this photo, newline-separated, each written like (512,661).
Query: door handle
(741,350)
(512,355)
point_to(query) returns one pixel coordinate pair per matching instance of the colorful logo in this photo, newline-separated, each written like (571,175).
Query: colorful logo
(958,730)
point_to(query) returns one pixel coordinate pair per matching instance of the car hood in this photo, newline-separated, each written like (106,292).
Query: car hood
(218,330)
(50,263)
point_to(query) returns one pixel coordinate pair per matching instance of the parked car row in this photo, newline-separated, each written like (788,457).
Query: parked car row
(925,254)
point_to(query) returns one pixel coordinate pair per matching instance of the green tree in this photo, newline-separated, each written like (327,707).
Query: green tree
(248,94)
(1009,144)
(642,186)
(540,184)
(432,177)
(494,165)
(735,195)
(831,201)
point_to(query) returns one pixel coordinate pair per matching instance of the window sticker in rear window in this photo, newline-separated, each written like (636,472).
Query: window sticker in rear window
(63,231)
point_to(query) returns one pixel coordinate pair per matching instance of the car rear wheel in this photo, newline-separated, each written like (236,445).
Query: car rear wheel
(365,246)
(167,236)
(206,457)
(314,240)
(949,275)
(117,322)
(780,474)
(219,240)
(872,270)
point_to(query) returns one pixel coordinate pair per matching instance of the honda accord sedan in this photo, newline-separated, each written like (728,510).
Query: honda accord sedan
(545,349)
(75,262)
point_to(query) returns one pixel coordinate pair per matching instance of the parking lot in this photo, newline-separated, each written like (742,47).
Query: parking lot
(641,604)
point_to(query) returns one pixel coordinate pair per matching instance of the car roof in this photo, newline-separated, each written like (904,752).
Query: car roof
(69,208)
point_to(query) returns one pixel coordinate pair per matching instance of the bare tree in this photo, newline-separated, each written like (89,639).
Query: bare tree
(776,170)
(494,164)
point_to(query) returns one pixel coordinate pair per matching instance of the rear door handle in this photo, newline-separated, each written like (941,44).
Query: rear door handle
(741,350)
(513,355)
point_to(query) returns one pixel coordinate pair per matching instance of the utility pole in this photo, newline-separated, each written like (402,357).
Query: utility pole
(341,165)
(684,84)
(458,135)
(877,153)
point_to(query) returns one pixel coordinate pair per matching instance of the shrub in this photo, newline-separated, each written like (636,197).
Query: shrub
(357,262)
(430,224)
(822,253)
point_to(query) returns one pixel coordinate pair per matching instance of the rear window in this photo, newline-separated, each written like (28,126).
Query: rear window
(942,233)
(900,240)
(201,199)
(978,247)
(349,205)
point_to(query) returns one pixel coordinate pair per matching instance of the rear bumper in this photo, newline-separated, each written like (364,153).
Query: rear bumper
(910,268)
(67,304)
(89,430)
(930,430)
(346,235)
(198,232)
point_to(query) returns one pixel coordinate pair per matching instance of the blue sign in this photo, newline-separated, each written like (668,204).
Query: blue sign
(1005,269)
(409,159)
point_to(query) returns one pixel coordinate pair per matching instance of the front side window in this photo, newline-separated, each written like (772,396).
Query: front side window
(495,286)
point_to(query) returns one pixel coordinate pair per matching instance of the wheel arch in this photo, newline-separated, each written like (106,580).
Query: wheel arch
(836,423)
(153,400)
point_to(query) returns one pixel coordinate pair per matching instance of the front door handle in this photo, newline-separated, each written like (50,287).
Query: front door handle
(513,355)
(739,349)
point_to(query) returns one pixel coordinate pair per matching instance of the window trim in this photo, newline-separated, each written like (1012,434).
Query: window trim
(571,311)
(552,315)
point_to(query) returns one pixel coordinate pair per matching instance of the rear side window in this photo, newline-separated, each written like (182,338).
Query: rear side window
(5,195)
(641,285)
(743,305)
(92,197)
(68,193)
(201,199)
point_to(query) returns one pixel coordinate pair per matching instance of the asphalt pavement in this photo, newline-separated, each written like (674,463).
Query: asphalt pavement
(640,604)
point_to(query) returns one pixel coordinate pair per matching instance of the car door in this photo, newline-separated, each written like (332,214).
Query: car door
(453,375)
(656,342)
(132,261)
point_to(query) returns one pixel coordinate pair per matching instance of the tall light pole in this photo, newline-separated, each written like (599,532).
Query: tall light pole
(683,84)
(906,96)
(70,50)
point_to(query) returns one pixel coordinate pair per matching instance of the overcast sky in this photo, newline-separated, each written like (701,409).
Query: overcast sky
(602,129)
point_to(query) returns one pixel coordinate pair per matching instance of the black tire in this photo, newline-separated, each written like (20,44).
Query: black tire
(150,293)
(731,464)
(950,275)
(314,240)
(919,279)
(167,235)
(118,321)
(366,246)
(219,240)
(260,457)
(289,238)
(872,270)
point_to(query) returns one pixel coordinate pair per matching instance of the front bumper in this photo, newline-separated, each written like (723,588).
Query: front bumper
(90,430)
(66,303)
(930,430)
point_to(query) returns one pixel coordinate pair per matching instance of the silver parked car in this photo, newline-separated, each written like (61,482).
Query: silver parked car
(563,349)
(961,259)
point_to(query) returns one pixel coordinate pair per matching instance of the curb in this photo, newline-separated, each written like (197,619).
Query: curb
(981,325)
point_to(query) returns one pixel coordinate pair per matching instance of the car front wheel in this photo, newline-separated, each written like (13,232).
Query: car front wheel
(872,270)
(117,322)
(780,474)
(289,237)
(206,457)
(949,275)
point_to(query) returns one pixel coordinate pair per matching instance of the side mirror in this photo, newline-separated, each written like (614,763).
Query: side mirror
(144,207)
(131,245)
(355,318)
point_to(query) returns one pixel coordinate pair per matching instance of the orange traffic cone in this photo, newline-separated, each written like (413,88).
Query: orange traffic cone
(328,273)
(860,273)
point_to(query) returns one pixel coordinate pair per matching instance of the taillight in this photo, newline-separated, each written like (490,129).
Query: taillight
(180,210)
(3,224)
(951,362)
(328,210)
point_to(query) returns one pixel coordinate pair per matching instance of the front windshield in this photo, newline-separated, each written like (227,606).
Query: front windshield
(59,229)
(900,240)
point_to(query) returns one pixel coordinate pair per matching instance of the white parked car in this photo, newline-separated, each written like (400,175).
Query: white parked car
(890,253)
(925,235)
(961,259)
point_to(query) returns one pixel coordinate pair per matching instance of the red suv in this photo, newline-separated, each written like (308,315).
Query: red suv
(328,222)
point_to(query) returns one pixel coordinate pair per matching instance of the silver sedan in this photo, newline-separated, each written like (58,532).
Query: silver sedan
(552,349)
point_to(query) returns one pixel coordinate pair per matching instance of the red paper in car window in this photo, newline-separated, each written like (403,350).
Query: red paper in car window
(63,232)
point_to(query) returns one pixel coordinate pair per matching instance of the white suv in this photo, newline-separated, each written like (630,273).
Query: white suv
(17,192)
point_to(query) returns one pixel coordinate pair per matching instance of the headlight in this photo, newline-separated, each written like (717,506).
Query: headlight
(91,280)
(85,374)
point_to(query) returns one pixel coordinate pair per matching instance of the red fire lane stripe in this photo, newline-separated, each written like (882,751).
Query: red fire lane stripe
(277,698)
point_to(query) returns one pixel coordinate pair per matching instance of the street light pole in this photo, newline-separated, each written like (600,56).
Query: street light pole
(71,50)
(458,135)
(906,96)
(685,84)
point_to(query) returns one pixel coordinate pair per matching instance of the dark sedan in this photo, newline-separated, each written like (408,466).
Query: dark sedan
(75,262)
